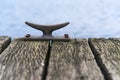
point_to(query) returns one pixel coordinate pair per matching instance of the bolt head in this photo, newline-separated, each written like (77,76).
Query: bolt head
(66,35)
(27,35)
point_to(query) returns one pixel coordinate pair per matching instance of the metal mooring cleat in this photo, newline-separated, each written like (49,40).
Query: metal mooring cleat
(47,32)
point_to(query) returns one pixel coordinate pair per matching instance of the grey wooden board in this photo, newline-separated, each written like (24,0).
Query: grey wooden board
(23,60)
(109,52)
(4,42)
(73,61)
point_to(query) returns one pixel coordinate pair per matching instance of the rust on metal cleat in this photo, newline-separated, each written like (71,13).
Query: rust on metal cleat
(47,32)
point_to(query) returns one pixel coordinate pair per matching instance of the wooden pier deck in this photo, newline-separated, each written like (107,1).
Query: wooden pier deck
(78,59)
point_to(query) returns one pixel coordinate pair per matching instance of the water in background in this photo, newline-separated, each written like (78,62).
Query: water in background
(88,18)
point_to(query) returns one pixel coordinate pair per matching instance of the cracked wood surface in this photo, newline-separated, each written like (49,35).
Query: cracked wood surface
(109,52)
(73,61)
(23,60)
(4,42)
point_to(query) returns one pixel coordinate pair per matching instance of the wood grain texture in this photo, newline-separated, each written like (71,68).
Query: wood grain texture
(109,52)
(73,61)
(23,60)
(4,42)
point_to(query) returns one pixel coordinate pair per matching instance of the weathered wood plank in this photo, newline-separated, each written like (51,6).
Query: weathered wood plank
(73,61)
(4,42)
(23,60)
(108,52)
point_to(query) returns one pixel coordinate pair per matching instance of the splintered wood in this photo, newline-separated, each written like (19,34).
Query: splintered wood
(108,50)
(4,42)
(23,60)
(73,61)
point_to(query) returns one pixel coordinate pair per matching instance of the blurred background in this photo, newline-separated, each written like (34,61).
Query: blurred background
(88,18)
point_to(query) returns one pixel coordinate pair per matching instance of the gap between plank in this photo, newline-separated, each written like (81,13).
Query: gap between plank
(5,45)
(46,63)
(99,62)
